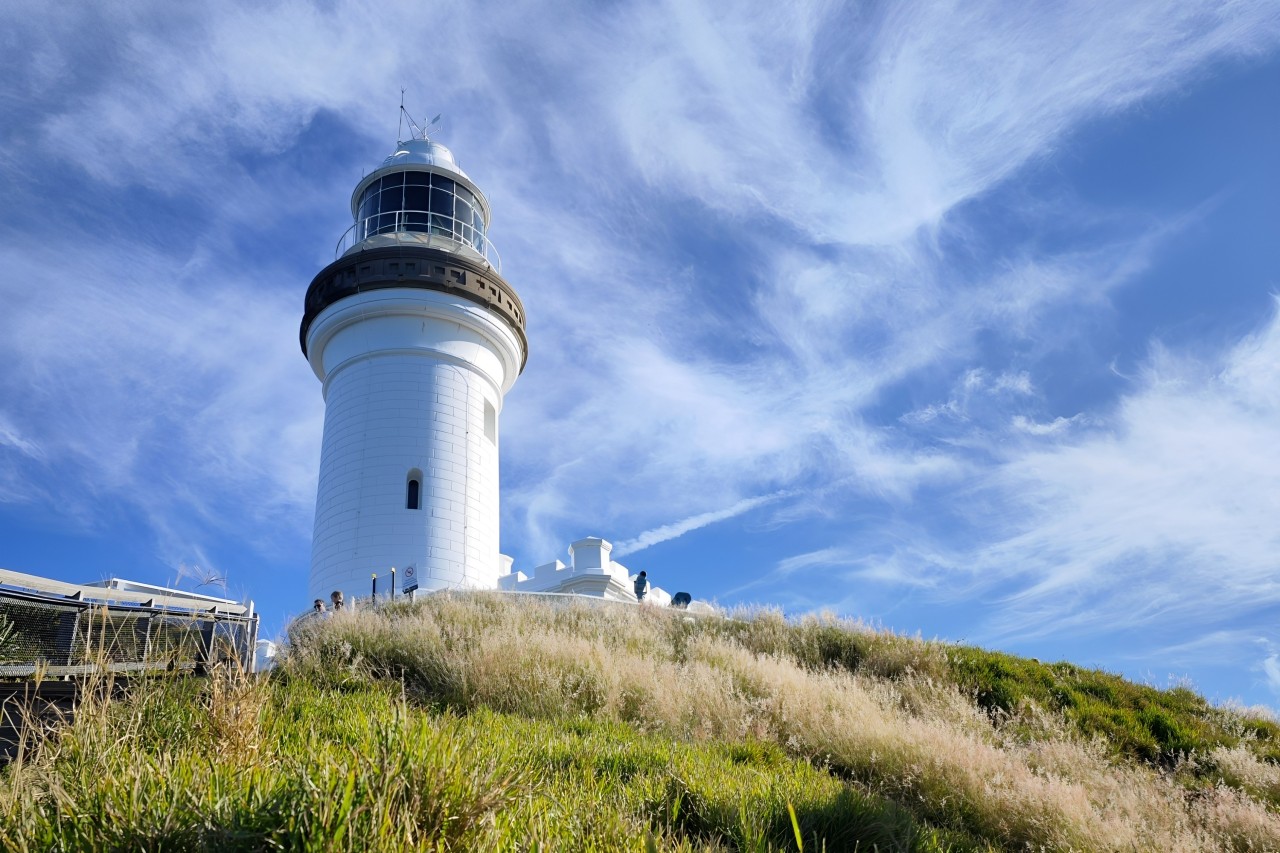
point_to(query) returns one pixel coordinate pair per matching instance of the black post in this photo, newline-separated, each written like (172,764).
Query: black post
(393,583)
(208,638)
(375,587)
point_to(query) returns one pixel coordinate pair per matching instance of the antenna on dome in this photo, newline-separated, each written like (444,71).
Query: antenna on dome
(419,131)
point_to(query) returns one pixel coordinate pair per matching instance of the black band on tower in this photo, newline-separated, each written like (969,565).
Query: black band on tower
(417,267)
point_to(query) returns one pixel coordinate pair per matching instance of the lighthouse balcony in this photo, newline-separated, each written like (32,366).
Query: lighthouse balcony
(419,228)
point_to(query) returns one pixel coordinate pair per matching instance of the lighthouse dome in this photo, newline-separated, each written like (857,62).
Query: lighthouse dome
(423,152)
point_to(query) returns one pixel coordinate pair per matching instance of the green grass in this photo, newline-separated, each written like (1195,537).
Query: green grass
(360,768)
(477,722)
(1160,727)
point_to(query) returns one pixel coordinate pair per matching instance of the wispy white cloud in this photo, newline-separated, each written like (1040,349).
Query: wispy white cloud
(974,388)
(12,438)
(180,395)
(822,557)
(1271,669)
(1164,509)
(679,528)
(1024,424)
(1207,646)
(17,453)
(1018,382)
(941,102)
(963,95)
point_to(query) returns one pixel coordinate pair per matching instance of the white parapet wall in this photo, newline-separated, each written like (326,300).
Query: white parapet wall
(591,572)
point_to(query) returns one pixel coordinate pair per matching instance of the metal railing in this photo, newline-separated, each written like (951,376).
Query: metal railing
(55,636)
(421,227)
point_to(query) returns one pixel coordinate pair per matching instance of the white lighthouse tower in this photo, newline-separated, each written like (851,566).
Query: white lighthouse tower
(415,338)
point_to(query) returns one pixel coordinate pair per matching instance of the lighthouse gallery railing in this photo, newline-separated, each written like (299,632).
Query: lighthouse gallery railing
(421,227)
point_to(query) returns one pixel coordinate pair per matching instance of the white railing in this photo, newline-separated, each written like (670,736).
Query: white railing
(421,227)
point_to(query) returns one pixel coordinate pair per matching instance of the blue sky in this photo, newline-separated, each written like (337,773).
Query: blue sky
(960,318)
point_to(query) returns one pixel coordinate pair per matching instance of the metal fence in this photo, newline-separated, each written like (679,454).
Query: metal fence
(53,636)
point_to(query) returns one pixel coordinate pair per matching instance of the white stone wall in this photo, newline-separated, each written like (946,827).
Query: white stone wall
(592,572)
(406,376)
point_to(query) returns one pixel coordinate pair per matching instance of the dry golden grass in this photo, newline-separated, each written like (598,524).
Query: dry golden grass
(894,727)
(1240,768)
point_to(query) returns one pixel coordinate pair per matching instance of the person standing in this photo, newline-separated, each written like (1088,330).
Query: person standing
(336,598)
(642,586)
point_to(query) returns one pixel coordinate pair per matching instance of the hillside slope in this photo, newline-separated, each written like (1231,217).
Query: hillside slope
(483,721)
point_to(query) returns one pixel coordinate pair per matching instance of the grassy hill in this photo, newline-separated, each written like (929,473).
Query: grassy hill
(481,721)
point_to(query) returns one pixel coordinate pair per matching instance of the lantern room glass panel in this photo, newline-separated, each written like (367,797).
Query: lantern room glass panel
(421,201)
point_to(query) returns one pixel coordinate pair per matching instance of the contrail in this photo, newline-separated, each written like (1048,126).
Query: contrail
(679,528)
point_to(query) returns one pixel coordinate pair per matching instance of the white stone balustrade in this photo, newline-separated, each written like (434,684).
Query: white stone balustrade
(592,572)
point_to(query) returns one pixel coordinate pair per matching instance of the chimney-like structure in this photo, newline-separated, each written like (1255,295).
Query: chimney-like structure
(415,337)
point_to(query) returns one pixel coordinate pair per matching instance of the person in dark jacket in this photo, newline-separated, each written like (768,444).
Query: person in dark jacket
(642,586)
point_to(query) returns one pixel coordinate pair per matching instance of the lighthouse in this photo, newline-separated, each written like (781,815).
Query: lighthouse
(415,338)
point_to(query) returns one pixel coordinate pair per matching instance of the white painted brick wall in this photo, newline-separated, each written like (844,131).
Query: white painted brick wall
(376,432)
(398,398)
